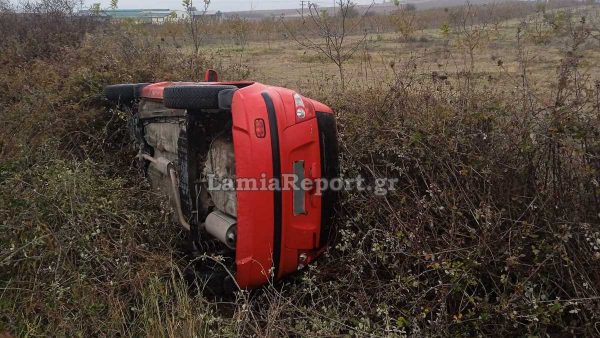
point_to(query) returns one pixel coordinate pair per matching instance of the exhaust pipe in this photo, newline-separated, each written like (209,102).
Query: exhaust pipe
(166,168)
(175,187)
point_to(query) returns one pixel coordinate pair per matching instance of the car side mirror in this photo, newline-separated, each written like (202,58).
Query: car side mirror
(211,75)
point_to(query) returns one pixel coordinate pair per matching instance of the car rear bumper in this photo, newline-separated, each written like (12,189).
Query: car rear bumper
(281,229)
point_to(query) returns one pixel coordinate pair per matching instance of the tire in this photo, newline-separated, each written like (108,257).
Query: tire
(123,93)
(226,98)
(194,97)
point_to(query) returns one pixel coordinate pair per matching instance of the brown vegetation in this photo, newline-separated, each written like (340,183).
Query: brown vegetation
(494,228)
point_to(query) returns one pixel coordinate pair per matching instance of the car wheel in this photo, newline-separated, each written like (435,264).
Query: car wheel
(123,93)
(194,97)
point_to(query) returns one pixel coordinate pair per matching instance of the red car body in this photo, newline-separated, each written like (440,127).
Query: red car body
(281,230)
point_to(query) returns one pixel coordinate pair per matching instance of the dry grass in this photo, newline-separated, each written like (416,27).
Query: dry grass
(494,230)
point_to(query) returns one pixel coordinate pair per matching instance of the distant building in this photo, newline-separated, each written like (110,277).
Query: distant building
(154,16)
(196,13)
(180,15)
(140,15)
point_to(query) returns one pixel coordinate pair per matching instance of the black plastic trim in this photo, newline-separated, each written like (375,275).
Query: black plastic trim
(277,196)
(329,170)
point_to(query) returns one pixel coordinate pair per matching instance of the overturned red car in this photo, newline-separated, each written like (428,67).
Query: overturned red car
(232,157)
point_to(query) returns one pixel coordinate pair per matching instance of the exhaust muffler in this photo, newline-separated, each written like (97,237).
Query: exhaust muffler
(223,227)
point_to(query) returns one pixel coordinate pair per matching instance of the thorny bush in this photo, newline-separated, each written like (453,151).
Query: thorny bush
(494,228)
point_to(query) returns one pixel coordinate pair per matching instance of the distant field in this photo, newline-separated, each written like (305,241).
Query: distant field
(378,8)
(284,62)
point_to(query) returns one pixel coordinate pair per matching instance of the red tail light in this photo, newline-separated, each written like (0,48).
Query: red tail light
(304,110)
(259,128)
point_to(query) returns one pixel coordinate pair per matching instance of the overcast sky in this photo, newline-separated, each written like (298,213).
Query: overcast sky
(222,5)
